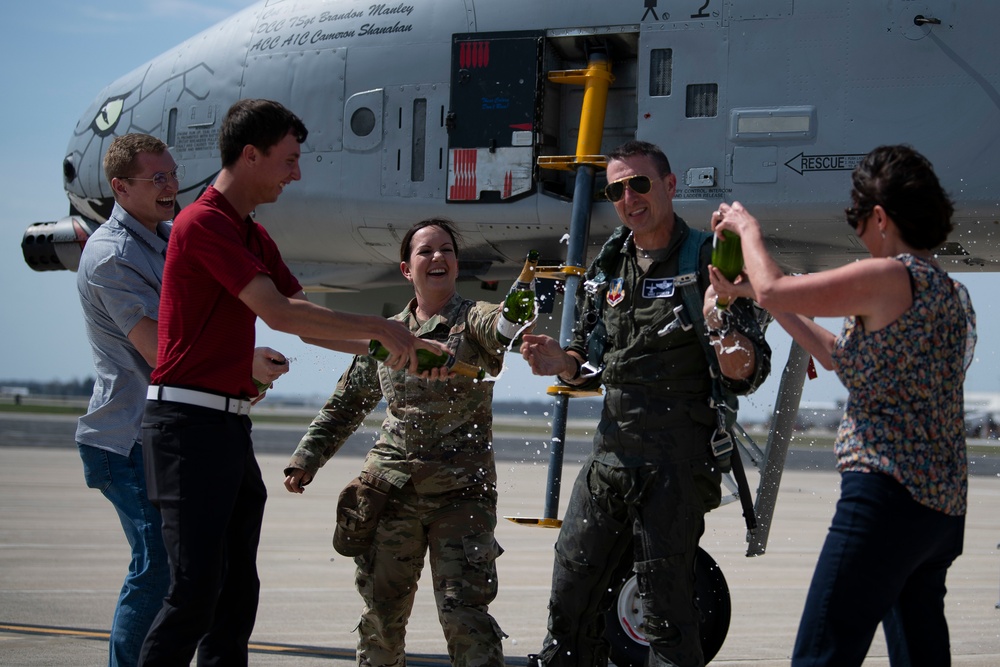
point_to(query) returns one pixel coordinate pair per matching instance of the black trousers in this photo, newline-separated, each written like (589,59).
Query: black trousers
(202,474)
(658,509)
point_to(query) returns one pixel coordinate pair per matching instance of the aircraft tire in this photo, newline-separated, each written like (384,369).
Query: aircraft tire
(623,621)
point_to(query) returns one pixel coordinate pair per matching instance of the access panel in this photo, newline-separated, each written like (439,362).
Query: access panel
(493,115)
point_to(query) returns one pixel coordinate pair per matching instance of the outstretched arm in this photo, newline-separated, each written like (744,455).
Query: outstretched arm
(302,318)
(546,357)
(840,292)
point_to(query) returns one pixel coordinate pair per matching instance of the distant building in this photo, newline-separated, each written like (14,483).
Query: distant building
(982,415)
(13,393)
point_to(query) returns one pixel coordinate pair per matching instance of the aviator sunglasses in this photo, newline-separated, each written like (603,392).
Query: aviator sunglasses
(616,190)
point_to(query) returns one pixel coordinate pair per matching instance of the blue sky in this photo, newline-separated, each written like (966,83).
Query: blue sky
(57,57)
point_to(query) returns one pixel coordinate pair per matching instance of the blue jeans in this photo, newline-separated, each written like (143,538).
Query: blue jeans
(122,481)
(885,559)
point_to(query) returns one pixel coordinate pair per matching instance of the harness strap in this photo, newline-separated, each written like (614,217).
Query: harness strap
(723,401)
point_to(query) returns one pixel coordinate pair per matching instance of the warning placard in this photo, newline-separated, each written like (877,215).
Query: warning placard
(802,163)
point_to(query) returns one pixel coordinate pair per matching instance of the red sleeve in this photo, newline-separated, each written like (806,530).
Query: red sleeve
(275,266)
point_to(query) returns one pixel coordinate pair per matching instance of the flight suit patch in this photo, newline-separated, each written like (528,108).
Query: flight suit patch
(616,291)
(657,288)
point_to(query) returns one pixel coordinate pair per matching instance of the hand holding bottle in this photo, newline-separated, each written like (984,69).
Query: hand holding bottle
(268,366)
(518,310)
(731,282)
(427,361)
(727,259)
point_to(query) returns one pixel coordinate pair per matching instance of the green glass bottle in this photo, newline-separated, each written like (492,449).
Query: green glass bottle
(727,257)
(427,360)
(519,305)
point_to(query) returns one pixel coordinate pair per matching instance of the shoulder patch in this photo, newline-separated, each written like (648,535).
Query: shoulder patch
(616,291)
(657,288)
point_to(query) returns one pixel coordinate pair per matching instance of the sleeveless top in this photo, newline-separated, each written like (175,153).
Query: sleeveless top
(905,414)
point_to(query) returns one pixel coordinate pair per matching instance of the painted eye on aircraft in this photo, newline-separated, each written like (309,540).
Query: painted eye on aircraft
(106,119)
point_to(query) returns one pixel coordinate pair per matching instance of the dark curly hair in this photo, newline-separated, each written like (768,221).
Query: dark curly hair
(903,182)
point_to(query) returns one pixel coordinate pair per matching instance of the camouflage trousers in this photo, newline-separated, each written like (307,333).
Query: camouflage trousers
(456,529)
(657,512)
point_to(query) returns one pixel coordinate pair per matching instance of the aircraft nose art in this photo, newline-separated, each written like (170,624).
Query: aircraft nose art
(106,118)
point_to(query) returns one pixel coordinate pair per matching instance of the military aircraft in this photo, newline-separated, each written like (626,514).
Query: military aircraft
(495,113)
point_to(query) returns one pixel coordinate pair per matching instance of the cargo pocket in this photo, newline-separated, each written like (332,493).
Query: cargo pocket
(477,586)
(358,511)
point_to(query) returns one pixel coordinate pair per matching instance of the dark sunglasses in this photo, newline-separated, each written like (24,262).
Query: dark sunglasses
(616,190)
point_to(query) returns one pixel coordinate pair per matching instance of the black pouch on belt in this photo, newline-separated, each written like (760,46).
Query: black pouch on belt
(358,510)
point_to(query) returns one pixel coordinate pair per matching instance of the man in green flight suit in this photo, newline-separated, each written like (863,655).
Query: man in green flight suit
(652,475)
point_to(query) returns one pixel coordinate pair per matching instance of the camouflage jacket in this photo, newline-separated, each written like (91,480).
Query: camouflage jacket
(437,434)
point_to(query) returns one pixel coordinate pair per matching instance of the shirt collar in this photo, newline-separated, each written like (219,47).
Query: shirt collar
(409,316)
(677,236)
(157,241)
(218,200)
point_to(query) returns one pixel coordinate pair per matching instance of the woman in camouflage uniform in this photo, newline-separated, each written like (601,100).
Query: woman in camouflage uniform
(434,454)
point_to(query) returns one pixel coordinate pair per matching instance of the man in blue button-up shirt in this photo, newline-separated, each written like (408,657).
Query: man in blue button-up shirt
(119,284)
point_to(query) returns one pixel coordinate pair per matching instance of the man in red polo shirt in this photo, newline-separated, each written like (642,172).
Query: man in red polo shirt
(222,271)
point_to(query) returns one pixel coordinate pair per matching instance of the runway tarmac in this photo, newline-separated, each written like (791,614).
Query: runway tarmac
(63,557)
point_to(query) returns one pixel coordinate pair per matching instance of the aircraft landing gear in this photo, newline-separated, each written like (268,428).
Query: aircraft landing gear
(624,628)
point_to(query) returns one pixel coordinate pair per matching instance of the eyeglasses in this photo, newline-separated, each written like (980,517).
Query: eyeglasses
(161,178)
(856,214)
(615,190)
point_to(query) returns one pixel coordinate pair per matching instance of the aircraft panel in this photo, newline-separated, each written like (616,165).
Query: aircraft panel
(495,97)
(315,79)
(755,164)
(684,117)
(363,120)
(415,141)
(760,9)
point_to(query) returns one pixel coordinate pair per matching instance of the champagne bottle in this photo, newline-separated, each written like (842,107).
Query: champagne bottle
(727,257)
(427,360)
(519,306)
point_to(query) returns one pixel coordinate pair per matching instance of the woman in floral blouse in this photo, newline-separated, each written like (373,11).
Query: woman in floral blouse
(908,338)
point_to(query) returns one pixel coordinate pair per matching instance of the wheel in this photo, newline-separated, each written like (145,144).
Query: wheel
(623,622)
